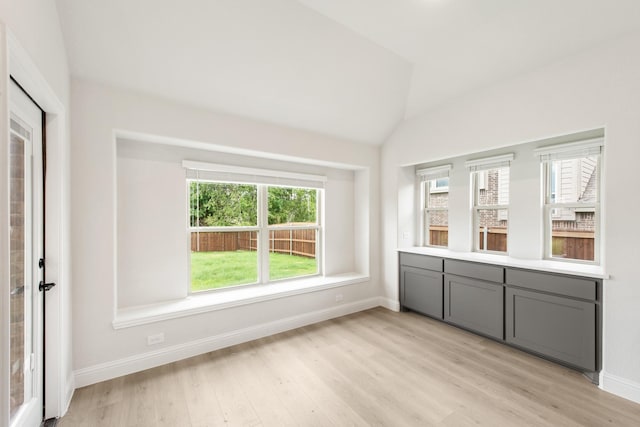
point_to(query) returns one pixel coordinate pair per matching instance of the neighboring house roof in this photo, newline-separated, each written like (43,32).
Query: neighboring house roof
(589,193)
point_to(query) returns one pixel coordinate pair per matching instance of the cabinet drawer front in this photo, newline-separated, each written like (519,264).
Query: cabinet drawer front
(421,261)
(490,273)
(422,291)
(554,283)
(562,328)
(474,304)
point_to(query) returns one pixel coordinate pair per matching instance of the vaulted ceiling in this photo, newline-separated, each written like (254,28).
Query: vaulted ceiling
(349,68)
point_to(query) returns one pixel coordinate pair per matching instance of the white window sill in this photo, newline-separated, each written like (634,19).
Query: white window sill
(550,266)
(212,301)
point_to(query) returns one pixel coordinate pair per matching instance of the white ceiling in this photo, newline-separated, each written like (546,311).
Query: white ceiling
(348,68)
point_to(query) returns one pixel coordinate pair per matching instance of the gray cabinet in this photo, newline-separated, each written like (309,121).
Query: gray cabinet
(422,291)
(554,316)
(421,284)
(474,304)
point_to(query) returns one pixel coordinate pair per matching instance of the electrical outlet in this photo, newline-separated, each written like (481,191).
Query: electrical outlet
(155,339)
(339,297)
(405,235)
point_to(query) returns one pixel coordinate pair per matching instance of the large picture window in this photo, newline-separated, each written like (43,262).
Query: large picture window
(490,196)
(251,233)
(572,200)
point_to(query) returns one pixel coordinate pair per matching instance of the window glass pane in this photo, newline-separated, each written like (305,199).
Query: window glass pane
(492,229)
(18,246)
(442,182)
(292,206)
(223,204)
(573,233)
(574,180)
(292,253)
(438,228)
(221,259)
(436,197)
(492,187)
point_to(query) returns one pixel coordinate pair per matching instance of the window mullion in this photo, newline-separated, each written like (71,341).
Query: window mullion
(494,207)
(578,205)
(263,235)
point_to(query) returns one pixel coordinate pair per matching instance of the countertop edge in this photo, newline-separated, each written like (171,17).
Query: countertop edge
(549,266)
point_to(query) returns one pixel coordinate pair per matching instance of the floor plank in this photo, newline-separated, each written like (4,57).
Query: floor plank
(376,367)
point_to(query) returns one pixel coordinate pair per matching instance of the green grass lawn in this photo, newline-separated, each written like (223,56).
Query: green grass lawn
(211,270)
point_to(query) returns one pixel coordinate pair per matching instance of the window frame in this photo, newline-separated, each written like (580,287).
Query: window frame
(477,207)
(476,168)
(262,230)
(428,178)
(268,228)
(548,205)
(428,186)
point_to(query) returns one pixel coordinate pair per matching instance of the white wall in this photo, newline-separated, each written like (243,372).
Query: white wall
(599,88)
(152,241)
(98,110)
(36,28)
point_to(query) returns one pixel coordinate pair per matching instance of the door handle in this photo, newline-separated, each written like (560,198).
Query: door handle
(45,286)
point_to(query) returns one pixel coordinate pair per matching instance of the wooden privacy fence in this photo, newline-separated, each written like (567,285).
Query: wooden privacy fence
(439,235)
(573,244)
(293,242)
(565,244)
(495,238)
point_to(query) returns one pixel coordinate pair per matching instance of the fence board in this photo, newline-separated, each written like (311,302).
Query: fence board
(573,247)
(294,242)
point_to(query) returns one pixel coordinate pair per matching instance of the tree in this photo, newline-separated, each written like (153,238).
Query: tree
(287,205)
(225,204)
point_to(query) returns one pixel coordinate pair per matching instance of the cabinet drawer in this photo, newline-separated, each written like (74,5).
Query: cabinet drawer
(486,272)
(421,261)
(558,327)
(474,304)
(554,283)
(421,290)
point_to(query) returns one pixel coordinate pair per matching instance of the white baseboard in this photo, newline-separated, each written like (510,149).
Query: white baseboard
(389,304)
(620,386)
(140,362)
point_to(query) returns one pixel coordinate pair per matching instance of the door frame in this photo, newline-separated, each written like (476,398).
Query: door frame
(15,61)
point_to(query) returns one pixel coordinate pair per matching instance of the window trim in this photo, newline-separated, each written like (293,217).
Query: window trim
(262,229)
(477,167)
(429,177)
(546,163)
(263,215)
(426,211)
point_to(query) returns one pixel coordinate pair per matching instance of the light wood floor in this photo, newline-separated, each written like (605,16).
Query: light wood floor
(371,368)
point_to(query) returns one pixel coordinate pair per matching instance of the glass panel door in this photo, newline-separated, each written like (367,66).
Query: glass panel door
(25,234)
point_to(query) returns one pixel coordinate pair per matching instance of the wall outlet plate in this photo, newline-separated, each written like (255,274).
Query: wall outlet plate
(155,339)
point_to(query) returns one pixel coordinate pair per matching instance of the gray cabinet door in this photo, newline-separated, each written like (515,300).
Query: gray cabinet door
(421,290)
(562,328)
(474,304)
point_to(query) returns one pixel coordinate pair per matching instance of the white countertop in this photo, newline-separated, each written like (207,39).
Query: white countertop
(562,267)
